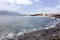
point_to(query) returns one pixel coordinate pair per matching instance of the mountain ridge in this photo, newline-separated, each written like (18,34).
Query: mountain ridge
(9,13)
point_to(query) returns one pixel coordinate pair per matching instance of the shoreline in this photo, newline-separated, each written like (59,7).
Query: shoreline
(38,34)
(45,34)
(52,26)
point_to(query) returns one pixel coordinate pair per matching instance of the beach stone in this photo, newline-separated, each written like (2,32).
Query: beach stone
(10,39)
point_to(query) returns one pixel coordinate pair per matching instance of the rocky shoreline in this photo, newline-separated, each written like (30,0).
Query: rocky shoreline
(45,34)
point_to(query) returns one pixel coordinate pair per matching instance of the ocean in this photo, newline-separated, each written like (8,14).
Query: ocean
(11,26)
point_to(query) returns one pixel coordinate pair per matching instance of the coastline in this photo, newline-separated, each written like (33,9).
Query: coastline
(45,34)
(40,34)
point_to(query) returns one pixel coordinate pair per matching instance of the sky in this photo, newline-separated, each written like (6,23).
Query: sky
(31,6)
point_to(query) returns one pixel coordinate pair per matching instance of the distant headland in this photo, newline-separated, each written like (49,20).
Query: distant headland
(49,15)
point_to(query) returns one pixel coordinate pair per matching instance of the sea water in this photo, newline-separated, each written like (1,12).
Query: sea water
(17,25)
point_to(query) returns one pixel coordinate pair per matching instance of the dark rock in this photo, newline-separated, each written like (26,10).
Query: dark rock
(10,39)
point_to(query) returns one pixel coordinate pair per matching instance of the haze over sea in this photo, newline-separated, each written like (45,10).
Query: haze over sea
(17,25)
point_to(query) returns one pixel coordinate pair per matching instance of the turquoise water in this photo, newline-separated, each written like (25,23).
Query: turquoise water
(17,24)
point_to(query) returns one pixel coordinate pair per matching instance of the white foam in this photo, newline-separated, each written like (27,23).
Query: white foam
(10,35)
(53,25)
(20,33)
(34,29)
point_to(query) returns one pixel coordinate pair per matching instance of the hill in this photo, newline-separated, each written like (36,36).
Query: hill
(9,13)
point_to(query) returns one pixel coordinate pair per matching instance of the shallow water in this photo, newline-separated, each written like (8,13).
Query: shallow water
(23,24)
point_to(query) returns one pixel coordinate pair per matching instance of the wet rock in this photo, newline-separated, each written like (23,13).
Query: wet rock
(46,34)
(10,39)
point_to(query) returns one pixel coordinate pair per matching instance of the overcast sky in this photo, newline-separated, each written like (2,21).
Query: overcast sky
(31,6)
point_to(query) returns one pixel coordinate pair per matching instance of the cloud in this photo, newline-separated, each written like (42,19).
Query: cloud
(55,9)
(19,2)
(36,1)
(9,7)
(4,5)
(2,1)
(10,4)
(10,1)
(24,2)
(58,1)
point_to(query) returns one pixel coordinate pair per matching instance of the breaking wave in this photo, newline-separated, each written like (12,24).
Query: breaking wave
(25,25)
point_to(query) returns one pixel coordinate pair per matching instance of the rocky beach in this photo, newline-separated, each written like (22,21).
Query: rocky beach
(45,34)
(29,19)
